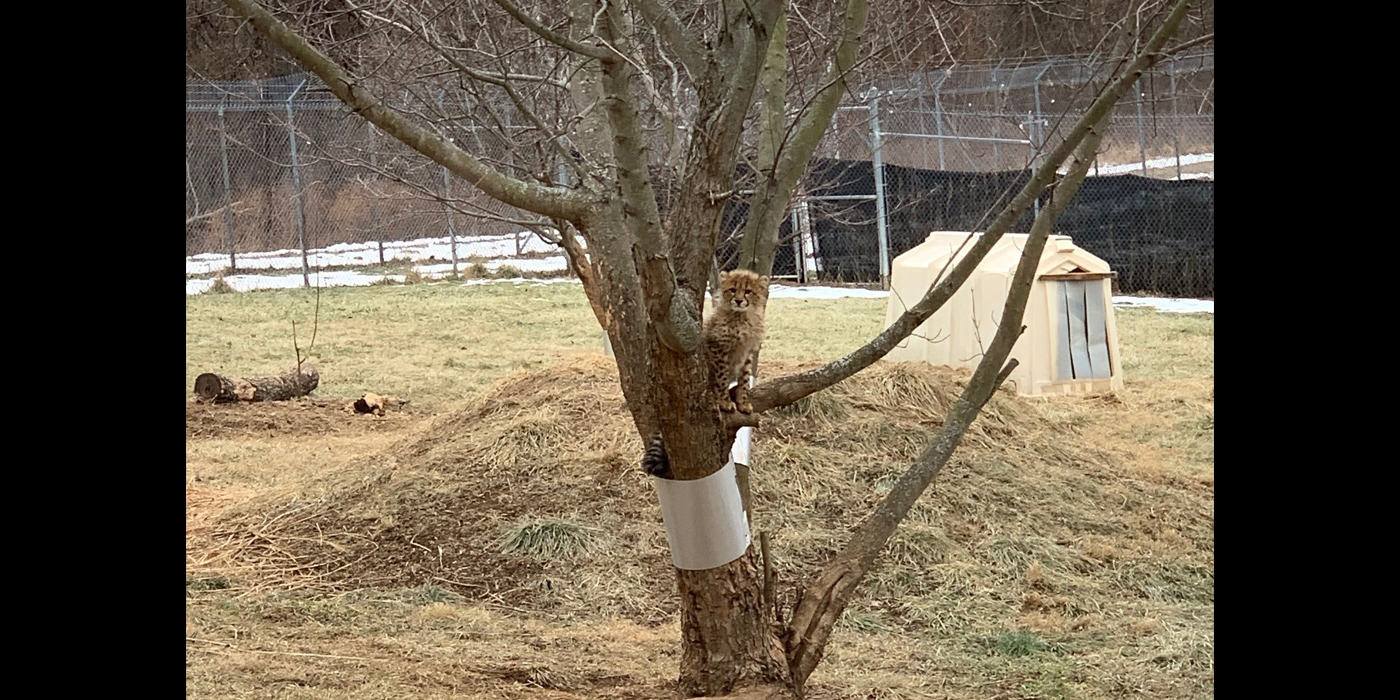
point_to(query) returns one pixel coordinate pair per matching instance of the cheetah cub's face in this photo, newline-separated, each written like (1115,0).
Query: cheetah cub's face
(741,290)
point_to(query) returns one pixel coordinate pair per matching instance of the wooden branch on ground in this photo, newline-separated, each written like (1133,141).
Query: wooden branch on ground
(216,388)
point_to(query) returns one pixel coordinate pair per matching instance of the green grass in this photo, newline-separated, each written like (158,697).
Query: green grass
(431,343)
(1166,346)
(550,540)
(443,342)
(1017,643)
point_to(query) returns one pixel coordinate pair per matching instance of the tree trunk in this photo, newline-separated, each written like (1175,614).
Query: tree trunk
(210,387)
(728,643)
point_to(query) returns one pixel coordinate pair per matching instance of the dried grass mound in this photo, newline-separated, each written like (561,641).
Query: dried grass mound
(531,497)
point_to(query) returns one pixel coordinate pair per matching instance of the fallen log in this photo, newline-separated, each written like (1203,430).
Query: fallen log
(220,389)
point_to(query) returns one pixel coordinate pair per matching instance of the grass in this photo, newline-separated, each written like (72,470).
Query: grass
(392,339)
(550,540)
(498,541)
(1017,643)
(438,343)
(220,286)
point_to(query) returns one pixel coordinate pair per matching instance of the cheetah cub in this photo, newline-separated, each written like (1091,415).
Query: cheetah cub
(732,337)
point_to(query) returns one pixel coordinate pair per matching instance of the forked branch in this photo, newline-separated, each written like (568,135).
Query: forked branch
(785,390)
(677,322)
(553,202)
(688,49)
(550,35)
(781,167)
(823,601)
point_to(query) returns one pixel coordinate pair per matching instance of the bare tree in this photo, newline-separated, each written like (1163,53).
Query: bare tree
(627,123)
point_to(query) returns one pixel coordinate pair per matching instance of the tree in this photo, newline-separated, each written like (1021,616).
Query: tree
(628,124)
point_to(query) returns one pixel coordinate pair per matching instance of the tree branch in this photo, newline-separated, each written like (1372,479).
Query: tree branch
(550,201)
(207,214)
(579,263)
(725,94)
(773,191)
(1188,44)
(677,321)
(823,601)
(783,391)
(688,49)
(550,35)
(503,81)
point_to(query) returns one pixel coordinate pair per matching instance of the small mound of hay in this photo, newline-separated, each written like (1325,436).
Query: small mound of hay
(550,540)
(506,499)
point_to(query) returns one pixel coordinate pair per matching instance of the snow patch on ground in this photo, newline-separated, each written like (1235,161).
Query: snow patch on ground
(433,250)
(1168,162)
(353,278)
(1167,305)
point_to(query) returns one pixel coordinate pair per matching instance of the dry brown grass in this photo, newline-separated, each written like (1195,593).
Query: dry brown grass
(1067,551)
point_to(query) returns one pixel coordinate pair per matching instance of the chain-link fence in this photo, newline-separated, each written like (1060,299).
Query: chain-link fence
(943,151)
(280,176)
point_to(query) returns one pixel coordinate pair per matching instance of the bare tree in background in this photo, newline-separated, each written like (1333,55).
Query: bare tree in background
(627,123)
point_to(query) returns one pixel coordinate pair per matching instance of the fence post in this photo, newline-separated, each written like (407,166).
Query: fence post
(1176,122)
(296,188)
(996,115)
(451,220)
(447,198)
(228,210)
(877,162)
(1142,134)
(923,118)
(1036,131)
(374,201)
(938,115)
(1035,154)
(811,251)
(797,262)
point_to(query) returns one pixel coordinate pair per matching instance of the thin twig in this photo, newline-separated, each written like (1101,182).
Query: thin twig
(1188,44)
(296,349)
(282,653)
(768,575)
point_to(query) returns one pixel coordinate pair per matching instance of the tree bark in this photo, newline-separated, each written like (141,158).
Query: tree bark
(727,642)
(216,388)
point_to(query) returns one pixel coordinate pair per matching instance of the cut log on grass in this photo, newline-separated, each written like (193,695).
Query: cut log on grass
(220,389)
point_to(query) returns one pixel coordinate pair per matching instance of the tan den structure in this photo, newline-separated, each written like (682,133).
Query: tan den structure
(1071,341)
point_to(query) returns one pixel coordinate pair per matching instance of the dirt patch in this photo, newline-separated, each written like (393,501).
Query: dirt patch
(303,416)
